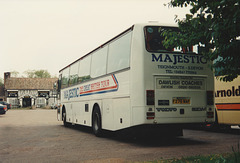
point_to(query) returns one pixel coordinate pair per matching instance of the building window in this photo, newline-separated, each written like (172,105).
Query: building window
(43,93)
(12,93)
(41,102)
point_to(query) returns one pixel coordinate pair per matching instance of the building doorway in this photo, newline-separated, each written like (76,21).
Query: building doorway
(27,101)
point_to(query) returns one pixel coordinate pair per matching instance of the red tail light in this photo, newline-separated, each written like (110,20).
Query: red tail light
(210,98)
(150,115)
(210,114)
(150,97)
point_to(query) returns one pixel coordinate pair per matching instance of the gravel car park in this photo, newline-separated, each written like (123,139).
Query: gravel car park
(35,135)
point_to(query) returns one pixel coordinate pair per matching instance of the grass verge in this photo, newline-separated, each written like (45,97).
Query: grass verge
(233,157)
(30,108)
(24,108)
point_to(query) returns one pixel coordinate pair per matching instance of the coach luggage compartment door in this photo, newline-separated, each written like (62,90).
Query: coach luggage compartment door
(180,98)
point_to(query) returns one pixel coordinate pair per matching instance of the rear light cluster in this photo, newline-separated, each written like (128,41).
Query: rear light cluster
(210,98)
(150,115)
(150,101)
(210,114)
(150,97)
(5,108)
(210,101)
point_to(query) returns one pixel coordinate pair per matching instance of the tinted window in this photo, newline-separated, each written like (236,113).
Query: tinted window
(154,39)
(73,73)
(84,69)
(65,78)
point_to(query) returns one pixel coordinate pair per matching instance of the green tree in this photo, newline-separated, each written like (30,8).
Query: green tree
(37,74)
(29,73)
(214,25)
(42,74)
(14,73)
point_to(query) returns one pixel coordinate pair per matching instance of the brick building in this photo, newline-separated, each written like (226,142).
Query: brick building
(25,92)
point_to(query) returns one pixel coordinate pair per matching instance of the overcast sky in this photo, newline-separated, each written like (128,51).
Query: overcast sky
(50,34)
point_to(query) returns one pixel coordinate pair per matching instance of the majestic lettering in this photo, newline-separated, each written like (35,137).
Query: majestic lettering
(176,58)
(71,93)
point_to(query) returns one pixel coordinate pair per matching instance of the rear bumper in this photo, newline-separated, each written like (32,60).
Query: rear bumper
(2,111)
(181,120)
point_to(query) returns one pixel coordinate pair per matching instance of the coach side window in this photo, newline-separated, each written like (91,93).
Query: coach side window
(99,62)
(84,69)
(73,74)
(119,53)
(65,77)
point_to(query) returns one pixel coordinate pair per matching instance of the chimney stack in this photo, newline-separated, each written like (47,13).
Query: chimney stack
(6,76)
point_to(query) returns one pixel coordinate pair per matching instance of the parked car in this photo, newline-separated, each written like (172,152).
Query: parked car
(3,109)
(54,105)
(7,104)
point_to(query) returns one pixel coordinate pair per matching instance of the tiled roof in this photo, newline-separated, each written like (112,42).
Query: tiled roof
(30,83)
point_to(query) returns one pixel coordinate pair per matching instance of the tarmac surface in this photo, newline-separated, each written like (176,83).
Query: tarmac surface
(37,136)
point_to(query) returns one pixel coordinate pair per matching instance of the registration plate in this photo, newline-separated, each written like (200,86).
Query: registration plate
(181,100)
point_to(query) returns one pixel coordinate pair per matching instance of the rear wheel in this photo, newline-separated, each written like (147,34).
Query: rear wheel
(97,122)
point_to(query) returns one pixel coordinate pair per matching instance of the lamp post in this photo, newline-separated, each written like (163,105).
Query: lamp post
(47,97)
(54,91)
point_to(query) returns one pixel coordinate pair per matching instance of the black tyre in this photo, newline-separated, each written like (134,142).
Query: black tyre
(97,122)
(64,117)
